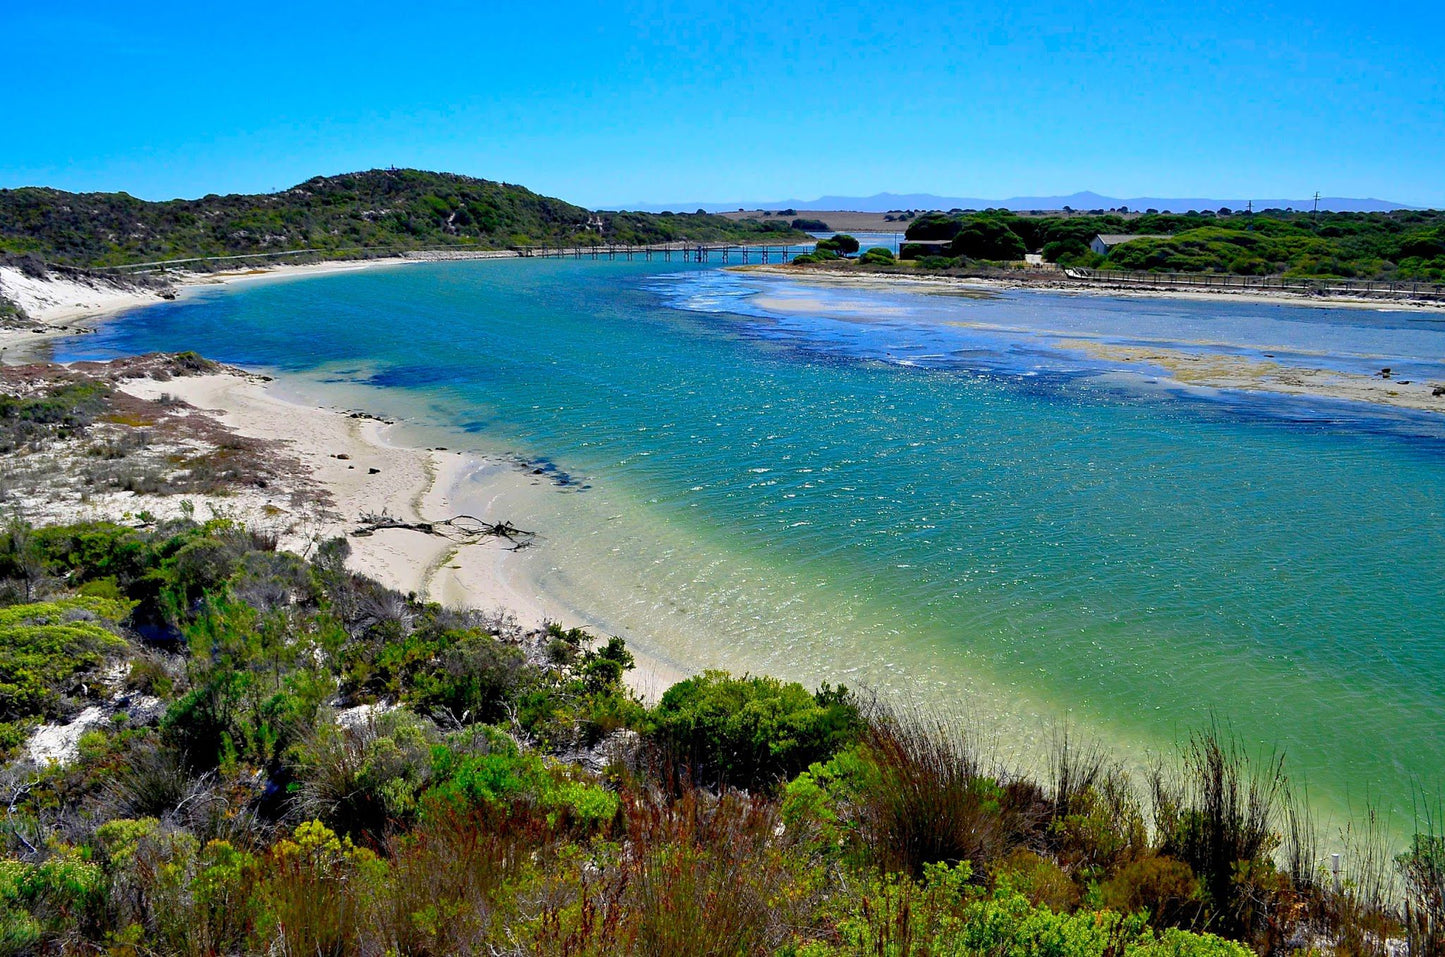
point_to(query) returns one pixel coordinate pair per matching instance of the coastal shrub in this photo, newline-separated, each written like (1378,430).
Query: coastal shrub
(44,645)
(927,797)
(696,875)
(472,677)
(937,262)
(987,239)
(50,904)
(313,892)
(483,770)
(751,732)
(1163,888)
(1041,880)
(151,780)
(934,226)
(1220,816)
(453,881)
(366,779)
(59,410)
(1423,867)
(877,256)
(22,563)
(1064,249)
(840,244)
(1096,821)
(580,698)
(942,915)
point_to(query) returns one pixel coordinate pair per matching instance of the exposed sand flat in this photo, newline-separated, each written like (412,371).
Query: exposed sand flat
(349,457)
(1218,371)
(412,484)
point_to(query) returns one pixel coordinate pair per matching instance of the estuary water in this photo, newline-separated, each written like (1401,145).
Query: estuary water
(945,497)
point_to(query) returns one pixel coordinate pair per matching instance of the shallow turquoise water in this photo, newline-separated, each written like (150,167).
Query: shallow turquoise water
(940,496)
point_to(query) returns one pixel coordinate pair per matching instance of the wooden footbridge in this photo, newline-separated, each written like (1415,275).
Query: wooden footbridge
(684,252)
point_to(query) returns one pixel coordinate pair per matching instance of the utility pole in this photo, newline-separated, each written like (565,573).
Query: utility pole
(1249,216)
(1315,216)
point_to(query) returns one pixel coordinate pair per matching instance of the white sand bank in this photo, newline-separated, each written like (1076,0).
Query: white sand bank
(351,460)
(340,450)
(64,306)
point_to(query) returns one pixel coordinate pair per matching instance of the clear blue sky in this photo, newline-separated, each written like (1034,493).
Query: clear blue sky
(614,104)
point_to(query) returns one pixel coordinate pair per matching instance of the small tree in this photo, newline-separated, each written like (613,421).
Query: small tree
(841,243)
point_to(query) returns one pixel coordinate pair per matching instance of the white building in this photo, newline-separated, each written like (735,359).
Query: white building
(1106,241)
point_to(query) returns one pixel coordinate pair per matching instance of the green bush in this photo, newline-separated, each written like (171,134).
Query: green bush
(752,732)
(472,677)
(987,239)
(499,777)
(937,262)
(878,256)
(841,243)
(43,645)
(943,915)
(368,779)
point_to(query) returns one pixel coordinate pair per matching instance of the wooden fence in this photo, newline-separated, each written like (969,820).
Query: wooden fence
(1361,288)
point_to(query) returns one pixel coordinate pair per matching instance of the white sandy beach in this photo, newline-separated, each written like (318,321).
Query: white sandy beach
(362,472)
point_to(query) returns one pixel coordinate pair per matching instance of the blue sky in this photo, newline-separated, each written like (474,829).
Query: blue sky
(613,104)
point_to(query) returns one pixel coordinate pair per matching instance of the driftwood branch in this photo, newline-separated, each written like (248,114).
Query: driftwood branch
(463,529)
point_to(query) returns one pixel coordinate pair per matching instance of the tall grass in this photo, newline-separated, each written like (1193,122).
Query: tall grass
(1423,868)
(936,799)
(1221,814)
(695,875)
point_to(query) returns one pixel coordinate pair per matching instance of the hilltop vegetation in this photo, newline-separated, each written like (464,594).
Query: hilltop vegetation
(1404,245)
(334,216)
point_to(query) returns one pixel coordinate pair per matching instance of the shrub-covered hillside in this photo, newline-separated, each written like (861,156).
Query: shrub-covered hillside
(211,747)
(391,209)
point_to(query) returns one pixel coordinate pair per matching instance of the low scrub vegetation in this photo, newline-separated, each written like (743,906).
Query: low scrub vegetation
(285,757)
(1406,245)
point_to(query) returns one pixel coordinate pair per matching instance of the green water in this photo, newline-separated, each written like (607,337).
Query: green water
(928,494)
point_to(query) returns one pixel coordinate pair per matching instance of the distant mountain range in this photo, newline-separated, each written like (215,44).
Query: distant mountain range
(884,202)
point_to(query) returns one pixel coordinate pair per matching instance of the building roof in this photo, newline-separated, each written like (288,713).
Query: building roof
(1116,239)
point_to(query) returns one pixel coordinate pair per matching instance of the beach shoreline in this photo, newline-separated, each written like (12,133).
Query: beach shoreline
(337,448)
(61,306)
(358,462)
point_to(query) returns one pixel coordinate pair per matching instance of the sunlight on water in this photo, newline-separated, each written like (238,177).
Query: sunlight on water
(935,495)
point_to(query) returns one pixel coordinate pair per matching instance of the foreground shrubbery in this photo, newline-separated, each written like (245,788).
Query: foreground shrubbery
(292,759)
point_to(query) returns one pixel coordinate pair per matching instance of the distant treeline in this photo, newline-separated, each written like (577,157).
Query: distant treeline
(336,216)
(1405,244)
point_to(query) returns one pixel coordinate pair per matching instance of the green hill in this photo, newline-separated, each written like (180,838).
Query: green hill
(336,216)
